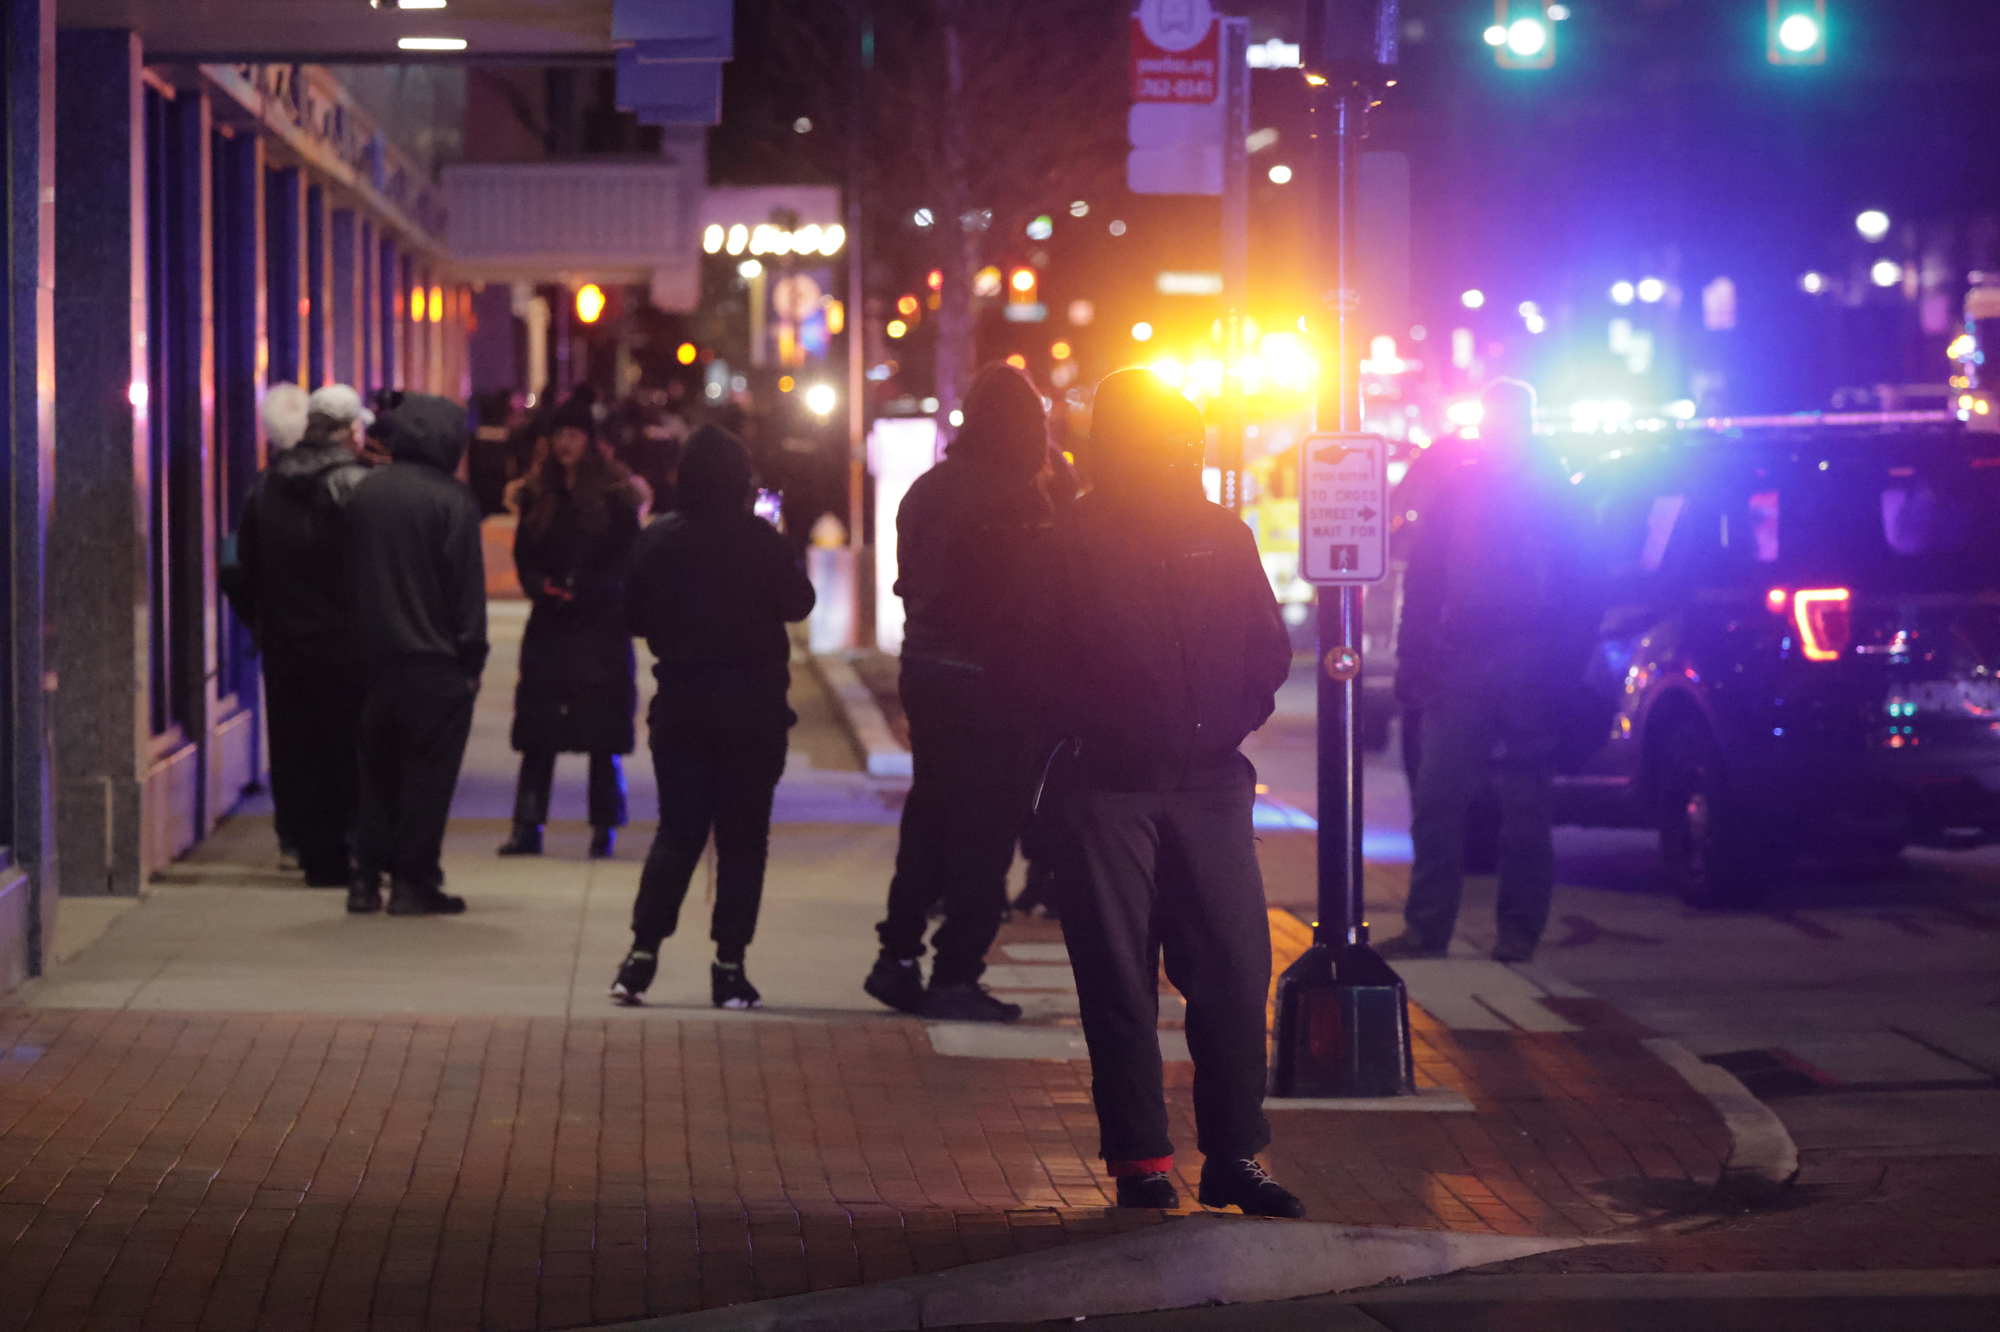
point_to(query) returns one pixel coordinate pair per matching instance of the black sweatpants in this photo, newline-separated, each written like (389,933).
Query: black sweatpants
(710,780)
(413,734)
(538,779)
(314,713)
(1171,872)
(968,803)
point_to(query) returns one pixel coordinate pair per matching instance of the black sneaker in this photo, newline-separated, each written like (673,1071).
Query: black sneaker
(897,982)
(1406,946)
(1243,1183)
(635,977)
(526,841)
(406,899)
(364,895)
(966,1001)
(729,987)
(1155,1191)
(603,843)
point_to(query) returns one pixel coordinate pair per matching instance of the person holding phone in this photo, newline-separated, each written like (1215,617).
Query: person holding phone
(579,681)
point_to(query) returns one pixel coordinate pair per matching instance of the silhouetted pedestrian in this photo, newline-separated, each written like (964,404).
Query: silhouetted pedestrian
(961,535)
(711,590)
(1496,629)
(578,688)
(419,577)
(1148,634)
(290,587)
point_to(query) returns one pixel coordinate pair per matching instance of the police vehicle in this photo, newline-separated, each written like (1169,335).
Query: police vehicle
(1800,652)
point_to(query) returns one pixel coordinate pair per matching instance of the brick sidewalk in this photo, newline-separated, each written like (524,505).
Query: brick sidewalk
(278,1172)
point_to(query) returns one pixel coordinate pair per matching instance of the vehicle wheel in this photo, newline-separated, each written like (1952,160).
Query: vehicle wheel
(1482,834)
(1711,859)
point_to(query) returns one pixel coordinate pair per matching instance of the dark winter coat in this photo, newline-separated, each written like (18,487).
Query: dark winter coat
(289,584)
(711,590)
(414,557)
(961,535)
(1497,574)
(1149,633)
(578,689)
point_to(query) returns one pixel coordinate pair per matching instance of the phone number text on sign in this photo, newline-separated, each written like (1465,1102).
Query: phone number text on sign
(1343,498)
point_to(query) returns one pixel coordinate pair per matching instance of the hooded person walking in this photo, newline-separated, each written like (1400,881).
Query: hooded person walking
(961,535)
(419,577)
(290,588)
(1146,632)
(578,688)
(711,590)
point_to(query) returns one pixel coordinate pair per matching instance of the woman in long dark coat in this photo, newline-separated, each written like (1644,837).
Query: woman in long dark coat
(578,689)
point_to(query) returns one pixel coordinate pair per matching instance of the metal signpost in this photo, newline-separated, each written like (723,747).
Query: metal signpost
(1343,1026)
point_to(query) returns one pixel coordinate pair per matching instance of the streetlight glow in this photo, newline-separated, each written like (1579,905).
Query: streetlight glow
(1873,224)
(1886,272)
(1473,299)
(1799,33)
(1281,174)
(1623,293)
(1527,37)
(589,302)
(1142,331)
(820,399)
(1652,291)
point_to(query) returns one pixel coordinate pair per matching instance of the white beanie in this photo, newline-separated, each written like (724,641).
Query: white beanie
(341,403)
(284,410)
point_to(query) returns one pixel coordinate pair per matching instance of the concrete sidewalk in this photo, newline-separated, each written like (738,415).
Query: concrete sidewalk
(233,1106)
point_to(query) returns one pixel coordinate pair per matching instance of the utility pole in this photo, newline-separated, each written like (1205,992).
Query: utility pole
(861,43)
(1343,1027)
(1235,249)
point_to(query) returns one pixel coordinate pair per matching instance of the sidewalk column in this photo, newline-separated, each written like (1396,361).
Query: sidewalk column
(189,484)
(318,305)
(346,269)
(389,311)
(368,311)
(27,892)
(241,353)
(285,280)
(98,532)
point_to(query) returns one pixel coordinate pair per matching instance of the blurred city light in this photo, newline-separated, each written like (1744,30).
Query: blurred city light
(1497,35)
(1527,36)
(1281,174)
(922,217)
(1117,227)
(935,279)
(832,239)
(1652,290)
(1558,13)
(836,317)
(820,399)
(1465,412)
(739,237)
(896,328)
(1473,299)
(1018,361)
(1609,414)
(1962,347)
(1041,228)
(711,238)
(1812,284)
(803,125)
(749,268)
(1623,293)
(986,282)
(1873,224)
(1188,284)
(906,305)
(589,302)
(1079,209)
(430,43)
(957,417)
(1142,331)
(1081,313)
(685,353)
(1886,273)
(1023,280)
(1798,33)
(785,383)
(1059,351)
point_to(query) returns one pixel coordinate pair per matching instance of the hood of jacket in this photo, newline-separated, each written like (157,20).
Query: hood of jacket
(301,469)
(715,472)
(424,428)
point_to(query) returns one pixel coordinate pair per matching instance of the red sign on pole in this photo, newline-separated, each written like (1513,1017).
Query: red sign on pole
(1176,52)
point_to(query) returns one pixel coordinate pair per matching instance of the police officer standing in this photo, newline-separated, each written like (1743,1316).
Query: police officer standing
(1146,632)
(1497,620)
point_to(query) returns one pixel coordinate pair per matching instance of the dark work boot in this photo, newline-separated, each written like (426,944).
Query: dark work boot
(409,899)
(603,843)
(729,987)
(897,982)
(1154,1191)
(635,976)
(1243,1183)
(526,841)
(966,1001)
(364,895)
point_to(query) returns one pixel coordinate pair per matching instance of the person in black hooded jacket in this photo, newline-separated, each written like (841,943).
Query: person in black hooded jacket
(1146,632)
(711,590)
(961,535)
(289,587)
(419,578)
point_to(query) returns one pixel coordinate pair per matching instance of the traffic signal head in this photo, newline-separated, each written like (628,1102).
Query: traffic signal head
(1021,286)
(1523,36)
(1796,32)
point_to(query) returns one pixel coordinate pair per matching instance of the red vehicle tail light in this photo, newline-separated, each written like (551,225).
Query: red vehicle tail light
(1825,626)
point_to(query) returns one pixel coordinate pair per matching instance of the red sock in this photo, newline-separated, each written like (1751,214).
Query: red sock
(1157,1165)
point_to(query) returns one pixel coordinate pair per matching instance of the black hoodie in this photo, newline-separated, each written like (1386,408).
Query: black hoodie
(711,589)
(413,546)
(290,584)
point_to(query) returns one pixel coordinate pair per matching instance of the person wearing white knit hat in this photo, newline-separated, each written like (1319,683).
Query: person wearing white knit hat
(284,410)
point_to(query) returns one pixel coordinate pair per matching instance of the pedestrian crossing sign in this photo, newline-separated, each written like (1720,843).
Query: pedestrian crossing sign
(1343,503)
